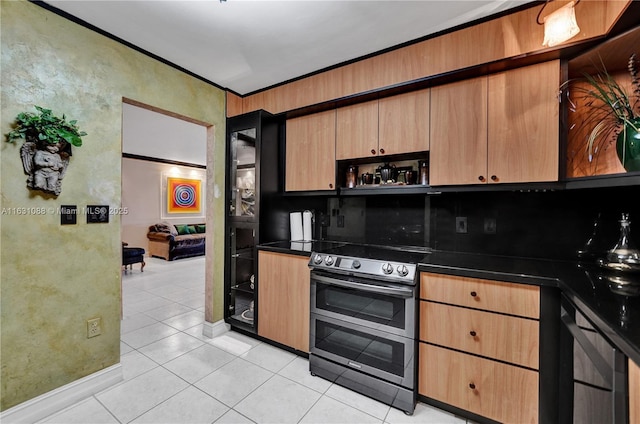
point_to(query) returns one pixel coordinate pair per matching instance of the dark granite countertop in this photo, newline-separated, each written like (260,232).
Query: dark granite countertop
(302,248)
(613,308)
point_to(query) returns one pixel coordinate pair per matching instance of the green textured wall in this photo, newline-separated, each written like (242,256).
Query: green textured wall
(53,277)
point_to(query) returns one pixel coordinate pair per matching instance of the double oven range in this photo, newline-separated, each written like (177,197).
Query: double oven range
(363,321)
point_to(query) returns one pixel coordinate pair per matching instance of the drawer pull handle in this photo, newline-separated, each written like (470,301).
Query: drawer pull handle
(373,151)
(472,333)
(472,386)
(474,294)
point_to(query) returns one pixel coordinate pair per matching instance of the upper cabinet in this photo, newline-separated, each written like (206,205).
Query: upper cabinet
(523,124)
(389,126)
(403,125)
(458,130)
(311,152)
(503,128)
(357,131)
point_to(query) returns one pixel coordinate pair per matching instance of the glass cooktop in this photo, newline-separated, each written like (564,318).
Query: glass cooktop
(402,254)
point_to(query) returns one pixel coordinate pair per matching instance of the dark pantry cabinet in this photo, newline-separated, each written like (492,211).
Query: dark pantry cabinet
(252,157)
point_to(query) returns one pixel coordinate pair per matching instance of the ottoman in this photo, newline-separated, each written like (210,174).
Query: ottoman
(132,255)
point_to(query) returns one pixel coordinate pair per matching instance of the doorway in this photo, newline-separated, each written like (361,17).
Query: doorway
(159,147)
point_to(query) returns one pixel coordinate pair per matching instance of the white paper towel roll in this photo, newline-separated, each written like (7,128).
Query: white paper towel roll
(307,225)
(295,222)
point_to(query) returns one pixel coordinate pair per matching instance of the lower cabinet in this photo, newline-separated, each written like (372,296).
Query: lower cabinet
(634,392)
(479,346)
(489,388)
(283,299)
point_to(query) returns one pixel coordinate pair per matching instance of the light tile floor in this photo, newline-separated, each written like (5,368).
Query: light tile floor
(173,374)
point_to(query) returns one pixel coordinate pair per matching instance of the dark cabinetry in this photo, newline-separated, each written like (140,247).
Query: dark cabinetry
(593,373)
(252,146)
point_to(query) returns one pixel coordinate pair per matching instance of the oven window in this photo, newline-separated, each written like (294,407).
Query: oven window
(378,308)
(362,348)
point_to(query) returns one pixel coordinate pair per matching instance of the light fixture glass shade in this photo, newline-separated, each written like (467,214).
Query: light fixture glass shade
(560,25)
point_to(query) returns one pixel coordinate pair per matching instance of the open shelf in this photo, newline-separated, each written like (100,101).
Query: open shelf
(613,54)
(243,287)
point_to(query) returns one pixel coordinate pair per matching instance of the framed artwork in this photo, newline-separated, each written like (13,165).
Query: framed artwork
(184,196)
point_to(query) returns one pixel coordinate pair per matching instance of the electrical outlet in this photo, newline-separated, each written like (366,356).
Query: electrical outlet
(489,225)
(94,327)
(340,221)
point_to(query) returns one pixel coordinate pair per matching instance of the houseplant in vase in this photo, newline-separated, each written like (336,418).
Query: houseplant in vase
(613,112)
(47,147)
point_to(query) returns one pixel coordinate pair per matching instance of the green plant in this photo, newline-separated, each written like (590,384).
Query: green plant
(610,108)
(45,127)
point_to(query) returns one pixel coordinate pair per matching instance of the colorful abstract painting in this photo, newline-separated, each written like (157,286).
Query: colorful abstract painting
(183,195)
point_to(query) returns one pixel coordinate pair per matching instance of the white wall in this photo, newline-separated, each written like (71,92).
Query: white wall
(152,134)
(142,196)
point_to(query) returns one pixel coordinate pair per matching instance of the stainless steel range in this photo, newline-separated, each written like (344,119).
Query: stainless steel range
(363,321)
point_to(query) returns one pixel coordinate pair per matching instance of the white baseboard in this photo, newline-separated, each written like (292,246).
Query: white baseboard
(215,329)
(51,402)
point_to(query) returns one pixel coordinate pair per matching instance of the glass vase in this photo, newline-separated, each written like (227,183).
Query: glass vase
(624,256)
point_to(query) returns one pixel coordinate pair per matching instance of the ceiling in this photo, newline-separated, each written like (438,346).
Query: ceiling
(245,46)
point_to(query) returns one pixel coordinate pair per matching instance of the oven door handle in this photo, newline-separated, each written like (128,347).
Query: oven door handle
(393,291)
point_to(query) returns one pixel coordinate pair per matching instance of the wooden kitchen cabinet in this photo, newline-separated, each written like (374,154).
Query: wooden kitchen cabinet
(503,128)
(404,123)
(481,333)
(497,296)
(523,125)
(458,133)
(492,389)
(283,299)
(479,346)
(634,392)
(389,126)
(311,152)
(357,131)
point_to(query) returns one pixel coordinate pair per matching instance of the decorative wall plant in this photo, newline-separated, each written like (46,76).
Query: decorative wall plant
(47,147)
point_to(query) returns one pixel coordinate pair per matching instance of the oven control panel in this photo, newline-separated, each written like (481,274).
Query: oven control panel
(365,267)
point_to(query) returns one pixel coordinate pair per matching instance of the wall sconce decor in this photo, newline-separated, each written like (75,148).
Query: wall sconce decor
(559,26)
(47,147)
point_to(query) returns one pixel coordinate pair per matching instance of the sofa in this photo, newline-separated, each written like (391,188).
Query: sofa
(174,241)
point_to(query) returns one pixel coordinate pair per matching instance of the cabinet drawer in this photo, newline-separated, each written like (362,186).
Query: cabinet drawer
(492,389)
(502,337)
(508,298)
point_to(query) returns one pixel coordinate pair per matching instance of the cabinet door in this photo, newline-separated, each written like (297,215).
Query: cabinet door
(523,124)
(495,390)
(311,152)
(458,133)
(357,131)
(404,123)
(283,299)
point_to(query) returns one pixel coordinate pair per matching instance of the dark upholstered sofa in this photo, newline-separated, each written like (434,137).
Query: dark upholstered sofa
(177,241)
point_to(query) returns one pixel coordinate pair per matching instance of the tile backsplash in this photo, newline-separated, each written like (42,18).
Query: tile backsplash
(539,224)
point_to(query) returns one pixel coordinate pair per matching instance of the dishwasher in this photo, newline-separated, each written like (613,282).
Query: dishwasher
(593,382)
